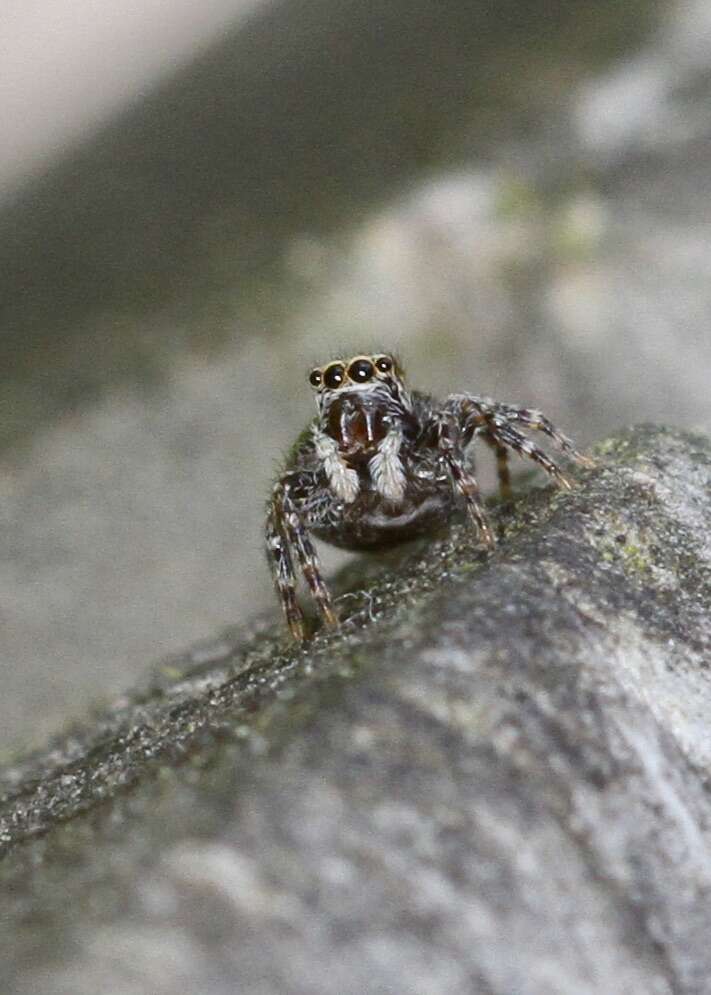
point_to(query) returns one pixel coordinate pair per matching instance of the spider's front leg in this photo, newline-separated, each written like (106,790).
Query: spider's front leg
(463,478)
(495,422)
(538,421)
(503,432)
(286,530)
(283,570)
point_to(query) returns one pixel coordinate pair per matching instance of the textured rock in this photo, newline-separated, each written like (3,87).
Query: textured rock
(493,780)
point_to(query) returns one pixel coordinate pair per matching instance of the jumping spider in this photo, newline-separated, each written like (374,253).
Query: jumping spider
(381,464)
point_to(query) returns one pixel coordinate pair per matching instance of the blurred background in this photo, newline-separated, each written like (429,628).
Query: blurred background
(197,201)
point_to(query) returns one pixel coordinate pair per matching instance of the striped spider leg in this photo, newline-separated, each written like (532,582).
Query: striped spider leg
(465,416)
(287,534)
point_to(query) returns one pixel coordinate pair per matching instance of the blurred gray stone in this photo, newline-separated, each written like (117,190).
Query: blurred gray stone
(492,780)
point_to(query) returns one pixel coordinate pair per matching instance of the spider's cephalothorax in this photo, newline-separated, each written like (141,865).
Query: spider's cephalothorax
(381,464)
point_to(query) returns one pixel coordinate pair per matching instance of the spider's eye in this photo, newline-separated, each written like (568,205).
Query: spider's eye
(334,376)
(315,378)
(360,371)
(384,364)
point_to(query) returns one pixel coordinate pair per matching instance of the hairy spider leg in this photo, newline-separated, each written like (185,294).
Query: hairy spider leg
(506,435)
(494,419)
(307,556)
(465,482)
(283,572)
(538,421)
(502,467)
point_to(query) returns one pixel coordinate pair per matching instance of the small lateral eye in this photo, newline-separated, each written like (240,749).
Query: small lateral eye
(315,378)
(360,371)
(334,376)
(384,364)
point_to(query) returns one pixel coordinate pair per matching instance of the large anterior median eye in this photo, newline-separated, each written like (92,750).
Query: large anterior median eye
(360,370)
(334,376)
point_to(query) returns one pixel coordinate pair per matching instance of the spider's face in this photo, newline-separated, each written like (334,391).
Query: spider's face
(358,400)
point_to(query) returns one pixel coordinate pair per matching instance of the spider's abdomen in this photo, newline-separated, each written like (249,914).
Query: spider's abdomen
(371,522)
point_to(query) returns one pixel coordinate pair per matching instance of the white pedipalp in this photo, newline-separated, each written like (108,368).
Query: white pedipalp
(342,479)
(386,469)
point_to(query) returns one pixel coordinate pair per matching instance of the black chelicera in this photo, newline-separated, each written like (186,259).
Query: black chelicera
(381,464)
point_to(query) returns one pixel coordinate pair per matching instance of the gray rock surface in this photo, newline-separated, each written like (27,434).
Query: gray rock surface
(494,779)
